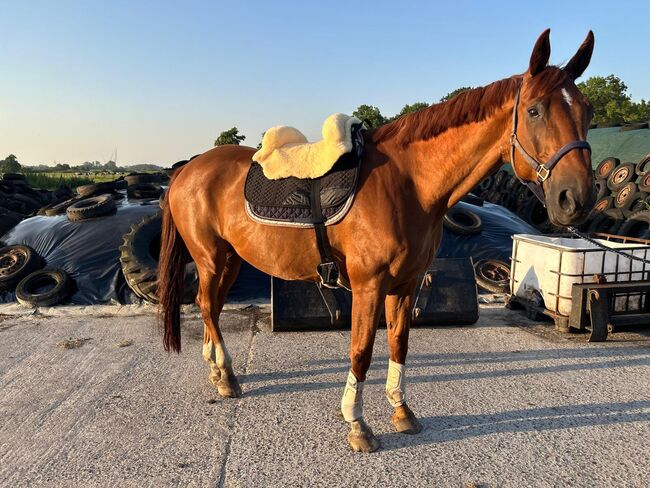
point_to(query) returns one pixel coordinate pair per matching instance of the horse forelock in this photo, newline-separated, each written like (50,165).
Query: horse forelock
(473,105)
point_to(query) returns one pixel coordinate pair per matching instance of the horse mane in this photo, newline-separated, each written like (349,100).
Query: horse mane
(470,106)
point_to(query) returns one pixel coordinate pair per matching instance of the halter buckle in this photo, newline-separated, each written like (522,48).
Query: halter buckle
(542,173)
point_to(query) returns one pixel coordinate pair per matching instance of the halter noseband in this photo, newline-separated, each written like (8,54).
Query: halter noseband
(542,170)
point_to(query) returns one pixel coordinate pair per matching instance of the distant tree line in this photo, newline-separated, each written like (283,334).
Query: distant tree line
(10,164)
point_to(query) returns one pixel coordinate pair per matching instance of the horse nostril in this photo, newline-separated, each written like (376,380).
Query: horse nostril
(567,202)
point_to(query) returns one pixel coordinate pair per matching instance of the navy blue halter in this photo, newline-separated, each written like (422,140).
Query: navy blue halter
(542,170)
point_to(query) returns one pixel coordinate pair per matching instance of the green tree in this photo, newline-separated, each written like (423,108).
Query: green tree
(611,102)
(10,164)
(110,166)
(409,109)
(230,136)
(457,91)
(370,115)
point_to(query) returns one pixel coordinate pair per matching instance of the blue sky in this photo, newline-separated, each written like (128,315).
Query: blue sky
(159,80)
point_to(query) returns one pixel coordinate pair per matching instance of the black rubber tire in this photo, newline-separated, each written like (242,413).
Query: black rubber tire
(523,197)
(90,208)
(58,208)
(637,225)
(644,183)
(142,178)
(634,126)
(492,275)
(143,192)
(95,189)
(16,262)
(603,204)
(535,213)
(30,203)
(13,177)
(643,167)
(485,184)
(636,202)
(607,222)
(28,291)
(500,179)
(623,174)
(622,197)
(469,198)
(512,185)
(605,167)
(178,164)
(462,221)
(139,260)
(601,189)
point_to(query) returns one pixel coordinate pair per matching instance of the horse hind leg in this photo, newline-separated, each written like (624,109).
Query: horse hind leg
(398,320)
(215,281)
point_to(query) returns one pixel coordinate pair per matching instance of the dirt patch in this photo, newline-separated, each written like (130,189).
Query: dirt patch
(72,343)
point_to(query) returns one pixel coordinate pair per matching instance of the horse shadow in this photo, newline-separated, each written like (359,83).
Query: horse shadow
(583,359)
(449,428)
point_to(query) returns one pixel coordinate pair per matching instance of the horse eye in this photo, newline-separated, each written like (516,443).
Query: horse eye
(533,112)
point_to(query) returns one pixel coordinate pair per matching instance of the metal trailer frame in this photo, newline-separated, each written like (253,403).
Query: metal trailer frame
(599,306)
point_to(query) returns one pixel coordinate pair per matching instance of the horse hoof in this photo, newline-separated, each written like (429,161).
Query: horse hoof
(405,421)
(361,438)
(215,377)
(228,387)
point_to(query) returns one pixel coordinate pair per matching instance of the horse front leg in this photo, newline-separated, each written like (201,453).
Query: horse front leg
(399,304)
(366,307)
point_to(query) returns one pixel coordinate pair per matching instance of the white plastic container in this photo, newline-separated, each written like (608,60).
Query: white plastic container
(552,265)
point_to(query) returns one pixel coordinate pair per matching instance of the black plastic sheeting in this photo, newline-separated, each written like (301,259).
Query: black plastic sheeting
(89,250)
(495,239)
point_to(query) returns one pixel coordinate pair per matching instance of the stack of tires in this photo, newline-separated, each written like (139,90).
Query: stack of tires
(622,204)
(22,270)
(144,186)
(90,201)
(505,189)
(18,200)
(623,200)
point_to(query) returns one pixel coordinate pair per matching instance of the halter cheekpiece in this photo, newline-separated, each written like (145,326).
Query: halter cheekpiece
(542,170)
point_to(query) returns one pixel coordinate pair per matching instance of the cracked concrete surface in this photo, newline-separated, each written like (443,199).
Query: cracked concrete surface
(502,405)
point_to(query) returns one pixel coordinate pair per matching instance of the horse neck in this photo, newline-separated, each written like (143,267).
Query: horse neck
(446,167)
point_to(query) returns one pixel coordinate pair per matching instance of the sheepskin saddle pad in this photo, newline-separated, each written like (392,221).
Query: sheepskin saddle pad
(287,200)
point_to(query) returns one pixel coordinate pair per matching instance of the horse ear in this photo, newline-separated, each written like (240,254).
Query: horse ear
(579,62)
(541,53)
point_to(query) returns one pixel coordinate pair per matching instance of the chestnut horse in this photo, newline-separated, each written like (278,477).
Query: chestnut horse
(413,170)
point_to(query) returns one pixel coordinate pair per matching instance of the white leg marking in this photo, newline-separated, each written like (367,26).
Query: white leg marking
(395,384)
(208,352)
(223,357)
(567,97)
(352,401)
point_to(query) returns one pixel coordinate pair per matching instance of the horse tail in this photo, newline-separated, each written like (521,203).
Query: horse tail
(171,276)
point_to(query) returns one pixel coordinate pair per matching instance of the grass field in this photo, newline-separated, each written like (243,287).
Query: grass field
(51,181)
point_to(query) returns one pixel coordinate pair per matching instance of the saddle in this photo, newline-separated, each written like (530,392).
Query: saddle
(309,202)
(285,151)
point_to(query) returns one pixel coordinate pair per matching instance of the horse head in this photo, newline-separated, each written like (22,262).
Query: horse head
(548,148)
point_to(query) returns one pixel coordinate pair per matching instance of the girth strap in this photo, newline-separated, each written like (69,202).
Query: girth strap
(328,270)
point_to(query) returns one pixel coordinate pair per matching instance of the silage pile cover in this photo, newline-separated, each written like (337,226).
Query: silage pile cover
(89,250)
(628,146)
(495,239)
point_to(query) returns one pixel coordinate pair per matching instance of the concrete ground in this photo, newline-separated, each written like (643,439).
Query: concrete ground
(89,398)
